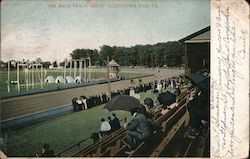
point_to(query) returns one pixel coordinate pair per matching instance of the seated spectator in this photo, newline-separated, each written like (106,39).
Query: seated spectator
(96,136)
(137,130)
(47,151)
(149,103)
(105,127)
(176,91)
(166,109)
(111,124)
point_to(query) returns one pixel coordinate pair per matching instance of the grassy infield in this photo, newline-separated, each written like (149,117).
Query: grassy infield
(61,132)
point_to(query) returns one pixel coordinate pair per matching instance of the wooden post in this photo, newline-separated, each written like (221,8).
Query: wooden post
(41,76)
(75,67)
(85,73)
(109,84)
(8,84)
(89,69)
(80,68)
(32,74)
(18,82)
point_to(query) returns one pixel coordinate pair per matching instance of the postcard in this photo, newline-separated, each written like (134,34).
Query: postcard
(109,78)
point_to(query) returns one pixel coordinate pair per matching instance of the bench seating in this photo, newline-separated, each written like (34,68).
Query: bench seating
(111,145)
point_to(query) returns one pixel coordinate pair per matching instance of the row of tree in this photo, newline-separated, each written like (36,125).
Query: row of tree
(169,54)
(160,54)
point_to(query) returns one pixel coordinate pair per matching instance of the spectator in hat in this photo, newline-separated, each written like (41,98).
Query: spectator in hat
(138,129)
(116,122)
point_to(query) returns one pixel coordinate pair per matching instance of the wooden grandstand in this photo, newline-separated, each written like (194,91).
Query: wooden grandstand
(172,122)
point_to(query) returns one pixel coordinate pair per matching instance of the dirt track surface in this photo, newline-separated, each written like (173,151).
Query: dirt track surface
(19,106)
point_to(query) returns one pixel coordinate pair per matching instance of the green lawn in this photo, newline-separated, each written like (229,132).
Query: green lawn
(61,132)
(54,73)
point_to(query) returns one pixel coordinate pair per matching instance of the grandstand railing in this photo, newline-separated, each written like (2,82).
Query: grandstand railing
(77,146)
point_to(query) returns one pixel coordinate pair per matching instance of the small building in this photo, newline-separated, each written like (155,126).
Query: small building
(113,69)
(197,51)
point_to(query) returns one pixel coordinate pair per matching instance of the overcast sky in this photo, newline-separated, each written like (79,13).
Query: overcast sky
(31,29)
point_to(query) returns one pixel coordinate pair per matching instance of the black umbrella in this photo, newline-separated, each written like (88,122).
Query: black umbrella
(167,98)
(204,84)
(196,78)
(149,102)
(200,80)
(123,102)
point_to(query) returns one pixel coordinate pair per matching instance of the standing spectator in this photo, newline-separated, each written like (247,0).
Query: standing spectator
(47,151)
(75,105)
(105,127)
(104,98)
(79,104)
(132,92)
(198,108)
(159,86)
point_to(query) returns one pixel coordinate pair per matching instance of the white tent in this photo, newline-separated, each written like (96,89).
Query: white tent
(59,79)
(78,79)
(49,79)
(69,79)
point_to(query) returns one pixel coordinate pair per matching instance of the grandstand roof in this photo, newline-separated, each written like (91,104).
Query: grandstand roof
(200,36)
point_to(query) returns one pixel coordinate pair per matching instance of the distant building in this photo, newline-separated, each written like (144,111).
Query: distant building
(197,51)
(113,69)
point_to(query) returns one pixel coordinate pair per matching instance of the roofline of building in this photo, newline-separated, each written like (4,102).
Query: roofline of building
(194,34)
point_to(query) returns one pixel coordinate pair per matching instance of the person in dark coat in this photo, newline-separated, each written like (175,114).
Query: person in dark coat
(104,98)
(95,136)
(198,108)
(47,151)
(116,122)
(75,105)
(111,123)
(137,130)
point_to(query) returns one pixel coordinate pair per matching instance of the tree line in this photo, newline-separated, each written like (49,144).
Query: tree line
(169,54)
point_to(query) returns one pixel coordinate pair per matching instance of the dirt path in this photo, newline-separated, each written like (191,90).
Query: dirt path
(18,106)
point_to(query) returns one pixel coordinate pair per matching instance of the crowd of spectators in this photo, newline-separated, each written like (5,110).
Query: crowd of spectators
(141,126)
